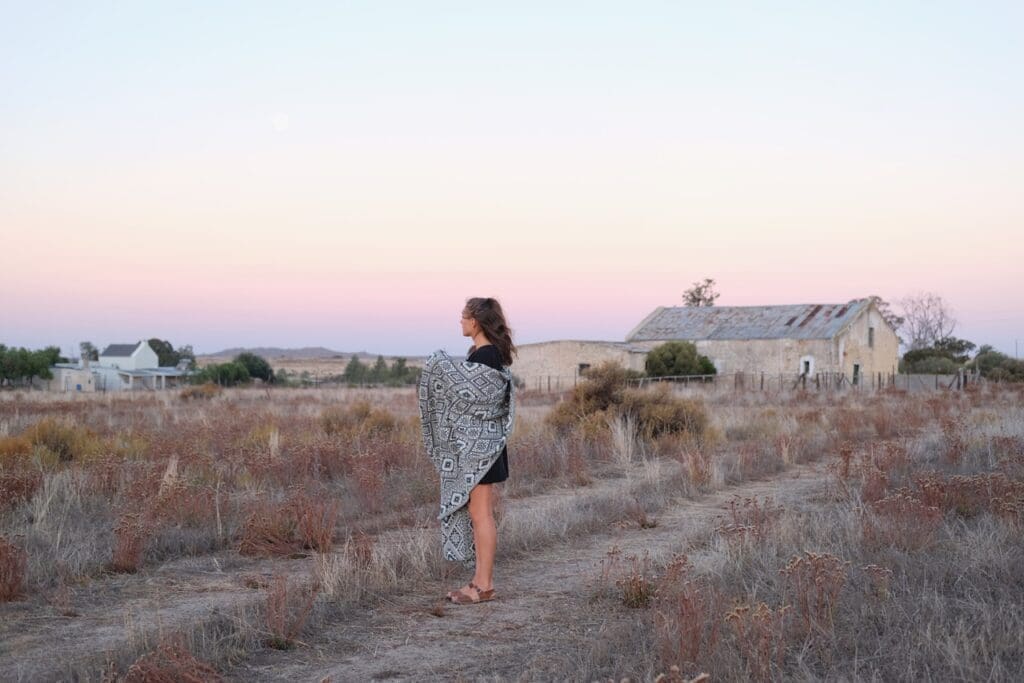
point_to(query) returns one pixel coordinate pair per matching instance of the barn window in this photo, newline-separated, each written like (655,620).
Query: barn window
(871,337)
(583,368)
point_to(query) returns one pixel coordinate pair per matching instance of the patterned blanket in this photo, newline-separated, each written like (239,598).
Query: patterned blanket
(467,412)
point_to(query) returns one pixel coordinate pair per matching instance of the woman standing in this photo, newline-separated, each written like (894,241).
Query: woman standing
(484,321)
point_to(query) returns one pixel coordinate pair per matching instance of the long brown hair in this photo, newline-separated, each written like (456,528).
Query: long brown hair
(488,314)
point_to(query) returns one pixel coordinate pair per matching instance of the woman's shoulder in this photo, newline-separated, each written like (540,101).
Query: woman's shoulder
(487,352)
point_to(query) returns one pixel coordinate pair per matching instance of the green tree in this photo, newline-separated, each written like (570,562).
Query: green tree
(379,372)
(256,366)
(677,358)
(944,357)
(701,294)
(992,364)
(21,364)
(165,354)
(89,351)
(355,371)
(224,374)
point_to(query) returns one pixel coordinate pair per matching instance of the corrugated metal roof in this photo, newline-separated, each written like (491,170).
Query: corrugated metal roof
(625,346)
(120,350)
(798,321)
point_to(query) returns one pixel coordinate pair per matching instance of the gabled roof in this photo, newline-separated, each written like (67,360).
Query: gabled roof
(798,321)
(625,346)
(120,350)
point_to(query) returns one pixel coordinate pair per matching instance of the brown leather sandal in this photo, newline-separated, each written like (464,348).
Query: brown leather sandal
(460,598)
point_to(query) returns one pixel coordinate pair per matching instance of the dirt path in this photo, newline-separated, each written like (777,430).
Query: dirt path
(542,623)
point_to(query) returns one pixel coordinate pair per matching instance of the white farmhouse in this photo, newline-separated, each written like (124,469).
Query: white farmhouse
(120,367)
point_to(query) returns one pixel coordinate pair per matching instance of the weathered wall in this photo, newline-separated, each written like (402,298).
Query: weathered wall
(556,363)
(853,346)
(67,380)
(775,356)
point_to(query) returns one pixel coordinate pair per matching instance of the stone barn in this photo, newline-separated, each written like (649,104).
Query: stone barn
(851,339)
(557,365)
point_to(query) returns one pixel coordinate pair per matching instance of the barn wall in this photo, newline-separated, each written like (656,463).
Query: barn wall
(854,347)
(557,362)
(765,355)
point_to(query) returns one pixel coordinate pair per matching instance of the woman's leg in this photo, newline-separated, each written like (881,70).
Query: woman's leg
(485,537)
(485,533)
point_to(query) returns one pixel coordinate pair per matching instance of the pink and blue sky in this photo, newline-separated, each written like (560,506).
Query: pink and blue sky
(346,174)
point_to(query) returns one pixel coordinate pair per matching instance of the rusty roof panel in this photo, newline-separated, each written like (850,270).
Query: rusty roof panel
(817,321)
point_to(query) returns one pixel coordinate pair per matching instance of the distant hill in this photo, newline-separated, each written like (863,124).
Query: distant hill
(304,353)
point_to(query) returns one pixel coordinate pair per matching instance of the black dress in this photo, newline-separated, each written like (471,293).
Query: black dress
(488,355)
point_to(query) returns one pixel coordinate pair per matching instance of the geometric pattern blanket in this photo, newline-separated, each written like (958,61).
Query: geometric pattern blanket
(467,411)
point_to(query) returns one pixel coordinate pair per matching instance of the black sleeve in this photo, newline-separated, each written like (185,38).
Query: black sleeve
(488,355)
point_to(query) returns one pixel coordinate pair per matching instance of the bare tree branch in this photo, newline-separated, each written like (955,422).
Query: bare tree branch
(927,319)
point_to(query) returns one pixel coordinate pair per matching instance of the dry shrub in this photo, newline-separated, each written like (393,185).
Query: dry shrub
(968,496)
(879,578)
(285,528)
(637,585)
(698,467)
(361,545)
(952,435)
(62,440)
(686,615)
(1004,447)
(270,529)
(315,520)
(659,412)
(844,468)
(814,582)
(360,417)
(874,484)
(600,390)
(171,662)
(185,505)
(18,484)
(760,636)
(201,392)
(13,564)
(847,423)
(750,519)
(901,520)
(367,476)
(287,610)
(604,395)
(14,449)
(132,533)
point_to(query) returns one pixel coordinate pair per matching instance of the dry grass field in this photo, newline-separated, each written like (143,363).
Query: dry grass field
(290,534)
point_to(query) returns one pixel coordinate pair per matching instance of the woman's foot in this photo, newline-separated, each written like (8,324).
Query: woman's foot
(470,590)
(471,593)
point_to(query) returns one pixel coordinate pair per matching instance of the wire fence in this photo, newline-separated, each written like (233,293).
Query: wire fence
(777,382)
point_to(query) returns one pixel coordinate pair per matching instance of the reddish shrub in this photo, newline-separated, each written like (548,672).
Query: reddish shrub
(287,610)
(761,637)
(131,535)
(13,562)
(901,520)
(686,615)
(270,529)
(750,519)
(814,582)
(316,519)
(18,484)
(171,662)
